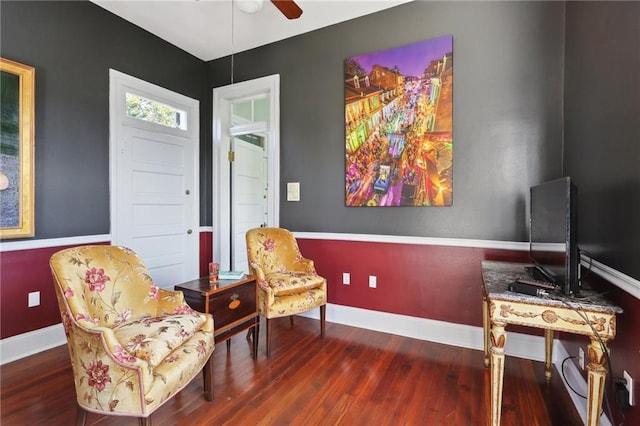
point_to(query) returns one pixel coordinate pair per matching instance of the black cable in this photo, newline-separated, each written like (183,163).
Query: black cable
(604,348)
(565,377)
(588,255)
(605,351)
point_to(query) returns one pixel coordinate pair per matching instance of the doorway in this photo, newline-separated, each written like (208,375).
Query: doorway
(246,165)
(154,177)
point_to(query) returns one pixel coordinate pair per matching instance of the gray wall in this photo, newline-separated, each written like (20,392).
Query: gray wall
(602,128)
(72,45)
(510,63)
(508,68)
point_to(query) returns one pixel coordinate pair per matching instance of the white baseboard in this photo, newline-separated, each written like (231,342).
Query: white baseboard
(21,346)
(465,336)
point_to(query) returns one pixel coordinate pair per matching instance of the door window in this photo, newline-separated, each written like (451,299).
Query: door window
(156,112)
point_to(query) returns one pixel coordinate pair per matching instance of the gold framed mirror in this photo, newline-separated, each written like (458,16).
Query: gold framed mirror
(17,103)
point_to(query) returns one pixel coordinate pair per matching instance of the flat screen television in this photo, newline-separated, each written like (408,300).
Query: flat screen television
(553,239)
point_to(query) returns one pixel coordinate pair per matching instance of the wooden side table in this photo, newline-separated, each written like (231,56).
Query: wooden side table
(590,315)
(233,304)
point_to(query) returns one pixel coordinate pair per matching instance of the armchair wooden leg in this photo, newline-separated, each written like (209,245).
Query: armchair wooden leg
(323,317)
(268,337)
(207,373)
(256,338)
(81,416)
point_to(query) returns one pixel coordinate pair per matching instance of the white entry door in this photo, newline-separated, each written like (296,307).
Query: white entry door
(249,195)
(154,177)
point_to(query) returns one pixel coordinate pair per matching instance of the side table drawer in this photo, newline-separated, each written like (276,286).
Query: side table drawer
(233,304)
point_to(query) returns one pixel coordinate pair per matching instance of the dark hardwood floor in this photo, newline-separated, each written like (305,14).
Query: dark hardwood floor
(352,377)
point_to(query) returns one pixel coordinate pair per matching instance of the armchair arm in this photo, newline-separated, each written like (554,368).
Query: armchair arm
(109,343)
(169,301)
(305,265)
(107,377)
(260,275)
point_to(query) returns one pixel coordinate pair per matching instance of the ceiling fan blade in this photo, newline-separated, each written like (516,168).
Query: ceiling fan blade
(289,8)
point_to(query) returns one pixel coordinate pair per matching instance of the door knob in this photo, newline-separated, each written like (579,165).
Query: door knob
(189,231)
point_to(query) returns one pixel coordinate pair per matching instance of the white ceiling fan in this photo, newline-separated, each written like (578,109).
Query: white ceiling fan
(288,8)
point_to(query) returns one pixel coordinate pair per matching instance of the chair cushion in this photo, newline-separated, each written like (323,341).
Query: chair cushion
(287,283)
(153,338)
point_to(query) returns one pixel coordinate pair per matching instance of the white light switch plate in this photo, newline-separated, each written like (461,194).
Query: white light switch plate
(293,191)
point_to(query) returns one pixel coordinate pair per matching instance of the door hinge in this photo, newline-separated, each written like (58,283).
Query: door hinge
(232,156)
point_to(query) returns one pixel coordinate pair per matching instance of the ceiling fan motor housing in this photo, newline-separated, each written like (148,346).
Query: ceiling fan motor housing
(289,8)
(250,6)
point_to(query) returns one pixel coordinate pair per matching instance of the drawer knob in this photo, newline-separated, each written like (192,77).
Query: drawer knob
(235,301)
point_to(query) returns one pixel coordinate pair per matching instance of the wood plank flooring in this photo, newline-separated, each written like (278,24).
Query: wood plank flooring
(352,377)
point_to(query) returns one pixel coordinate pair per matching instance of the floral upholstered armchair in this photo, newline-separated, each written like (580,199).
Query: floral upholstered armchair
(287,283)
(132,345)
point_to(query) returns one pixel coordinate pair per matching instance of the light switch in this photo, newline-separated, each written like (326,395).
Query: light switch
(293,191)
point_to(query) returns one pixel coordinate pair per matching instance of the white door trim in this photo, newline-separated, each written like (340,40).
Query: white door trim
(222,98)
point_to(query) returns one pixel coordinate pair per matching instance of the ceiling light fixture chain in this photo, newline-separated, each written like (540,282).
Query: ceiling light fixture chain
(232,33)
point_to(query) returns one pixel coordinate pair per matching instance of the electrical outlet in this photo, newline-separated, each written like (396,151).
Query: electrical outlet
(629,385)
(373,281)
(34,299)
(346,278)
(581,358)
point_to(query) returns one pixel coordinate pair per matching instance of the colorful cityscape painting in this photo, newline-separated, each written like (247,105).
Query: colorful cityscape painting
(399,126)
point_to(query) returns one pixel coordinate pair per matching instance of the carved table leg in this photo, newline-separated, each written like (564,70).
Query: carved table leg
(498,339)
(485,329)
(596,380)
(548,354)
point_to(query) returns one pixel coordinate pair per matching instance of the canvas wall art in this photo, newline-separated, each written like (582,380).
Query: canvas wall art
(399,126)
(17,83)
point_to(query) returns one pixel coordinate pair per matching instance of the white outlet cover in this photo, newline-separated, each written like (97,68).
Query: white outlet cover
(346,278)
(629,386)
(373,281)
(34,299)
(581,358)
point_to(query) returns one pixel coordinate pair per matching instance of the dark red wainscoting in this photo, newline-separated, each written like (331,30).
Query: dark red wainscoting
(23,272)
(426,281)
(206,252)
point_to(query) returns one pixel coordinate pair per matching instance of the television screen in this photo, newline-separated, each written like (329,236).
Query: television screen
(553,233)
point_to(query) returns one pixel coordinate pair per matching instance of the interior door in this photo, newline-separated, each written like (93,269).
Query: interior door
(154,181)
(249,194)
(228,104)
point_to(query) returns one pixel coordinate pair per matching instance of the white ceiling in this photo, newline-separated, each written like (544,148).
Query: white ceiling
(204,27)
